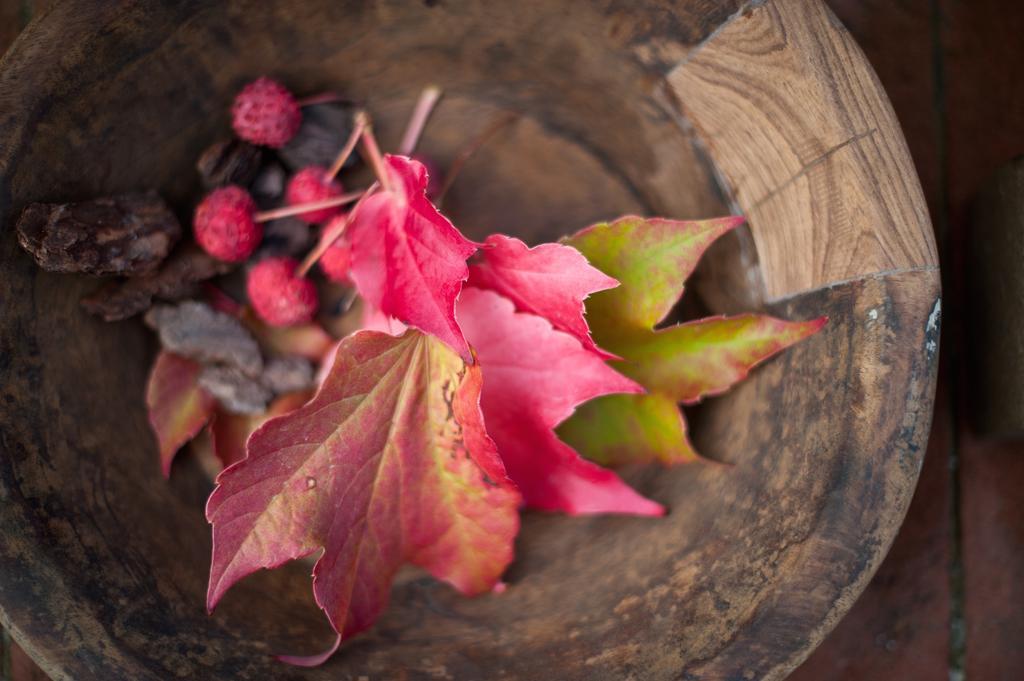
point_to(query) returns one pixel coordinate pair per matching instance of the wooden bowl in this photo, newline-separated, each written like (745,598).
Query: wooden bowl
(677,108)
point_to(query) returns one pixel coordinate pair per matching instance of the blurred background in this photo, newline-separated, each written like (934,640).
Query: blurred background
(947,601)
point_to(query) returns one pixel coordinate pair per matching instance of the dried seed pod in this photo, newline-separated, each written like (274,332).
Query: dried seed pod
(324,130)
(287,236)
(229,161)
(127,235)
(177,279)
(268,187)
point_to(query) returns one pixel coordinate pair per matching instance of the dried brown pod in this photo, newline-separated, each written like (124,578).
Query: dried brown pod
(128,234)
(325,127)
(287,236)
(229,161)
(177,279)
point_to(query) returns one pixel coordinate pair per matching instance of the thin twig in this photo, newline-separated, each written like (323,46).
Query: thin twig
(322,98)
(467,151)
(360,121)
(288,211)
(329,238)
(372,152)
(424,107)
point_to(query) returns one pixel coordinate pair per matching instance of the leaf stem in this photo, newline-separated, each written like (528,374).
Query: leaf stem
(467,151)
(424,107)
(373,154)
(288,211)
(322,98)
(329,237)
(360,121)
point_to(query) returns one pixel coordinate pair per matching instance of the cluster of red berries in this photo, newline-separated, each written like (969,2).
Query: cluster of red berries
(228,226)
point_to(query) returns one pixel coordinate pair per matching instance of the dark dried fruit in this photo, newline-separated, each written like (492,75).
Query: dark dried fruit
(288,374)
(177,279)
(197,331)
(287,236)
(268,187)
(127,235)
(324,130)
(230,161)
(236,392)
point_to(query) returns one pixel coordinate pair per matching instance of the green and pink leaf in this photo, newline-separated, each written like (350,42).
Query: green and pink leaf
(621,429)
(178,408)
(684,363)
(651,259)
(706,357)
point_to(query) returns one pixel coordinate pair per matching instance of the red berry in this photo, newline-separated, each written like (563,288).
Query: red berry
(225,225)
(266,113)
(278,296)
(309,185)
(337,259)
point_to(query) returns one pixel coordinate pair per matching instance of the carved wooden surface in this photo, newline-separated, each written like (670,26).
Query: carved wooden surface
(800,130)
(756,561)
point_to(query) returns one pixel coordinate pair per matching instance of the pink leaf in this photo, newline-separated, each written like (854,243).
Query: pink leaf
(375,320)
(178,407)
(389,463)
(534,376)
(312,660)
(408,260)
(549,280)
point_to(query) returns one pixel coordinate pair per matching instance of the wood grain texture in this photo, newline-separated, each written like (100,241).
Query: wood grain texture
(899,41)
(10,23)
(756,562)
(808,146)
(15,664)
(900,626)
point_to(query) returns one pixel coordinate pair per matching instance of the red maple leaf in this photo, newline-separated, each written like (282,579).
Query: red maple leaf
(408,260)
(549,280)
(388,464)
(534,376)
